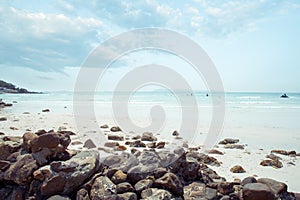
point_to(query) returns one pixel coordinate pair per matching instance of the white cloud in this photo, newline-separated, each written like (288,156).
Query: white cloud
(44,41)
(63,35)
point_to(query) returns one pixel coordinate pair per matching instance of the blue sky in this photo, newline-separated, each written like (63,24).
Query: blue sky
(254,44)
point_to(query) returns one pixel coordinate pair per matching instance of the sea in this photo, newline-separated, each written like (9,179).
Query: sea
(261,120)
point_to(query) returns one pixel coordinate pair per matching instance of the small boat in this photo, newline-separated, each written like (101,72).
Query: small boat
(284,96)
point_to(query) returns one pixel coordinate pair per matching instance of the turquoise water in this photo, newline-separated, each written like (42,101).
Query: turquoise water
(233,100)
(258,118)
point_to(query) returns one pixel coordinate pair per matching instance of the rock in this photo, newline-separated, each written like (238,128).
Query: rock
(237,169)
(41,132)
(72,172)
(111,144)
(248,180)
(170,182)
(151,145)
(103,187)
(42,156)
(229,141)
(53,186)
(140,172)
(154,194)
(4,165)
(115,129)
(234,146)
(203,158)
(104,126)
(160,145)
(3,119)
(159,172)
(137,137)
(292,153)
(143,184)
(276,187)
(125,161)
(89,144)
(58,166)
(255,191)
(51,140)
(195,190)
(211,194)
(9,145)
(124,187)
(175,133)
(273,163)
(27,138)
(273,157)
(148,136)
(127,196)
(225,188)
(190,170)
(138,143)
(120,148)
(82,194)
(46,110)
(42,174)
(21,171)
(215,151)
(65,132)
(58,197)
(282,152)
(119,177)
(76,143)
(13,128)
(116,137)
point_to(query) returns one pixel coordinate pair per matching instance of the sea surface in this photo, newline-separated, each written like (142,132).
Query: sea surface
(258,119)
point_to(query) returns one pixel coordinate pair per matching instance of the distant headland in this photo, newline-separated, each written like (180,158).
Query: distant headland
(10,88)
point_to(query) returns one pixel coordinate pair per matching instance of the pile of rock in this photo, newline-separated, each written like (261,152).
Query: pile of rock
(39,166)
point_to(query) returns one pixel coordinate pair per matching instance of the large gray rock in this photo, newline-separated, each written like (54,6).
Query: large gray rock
(21,171)
(124,161)
(276,187)
(71,173)
(255,191)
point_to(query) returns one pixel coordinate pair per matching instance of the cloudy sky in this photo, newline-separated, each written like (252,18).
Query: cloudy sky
(254,44)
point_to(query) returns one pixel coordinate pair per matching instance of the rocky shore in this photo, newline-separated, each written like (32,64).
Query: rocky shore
(40,165)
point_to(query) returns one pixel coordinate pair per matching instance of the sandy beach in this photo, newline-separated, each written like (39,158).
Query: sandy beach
(249,157)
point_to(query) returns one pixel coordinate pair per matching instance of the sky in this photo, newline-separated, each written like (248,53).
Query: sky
(254,44)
